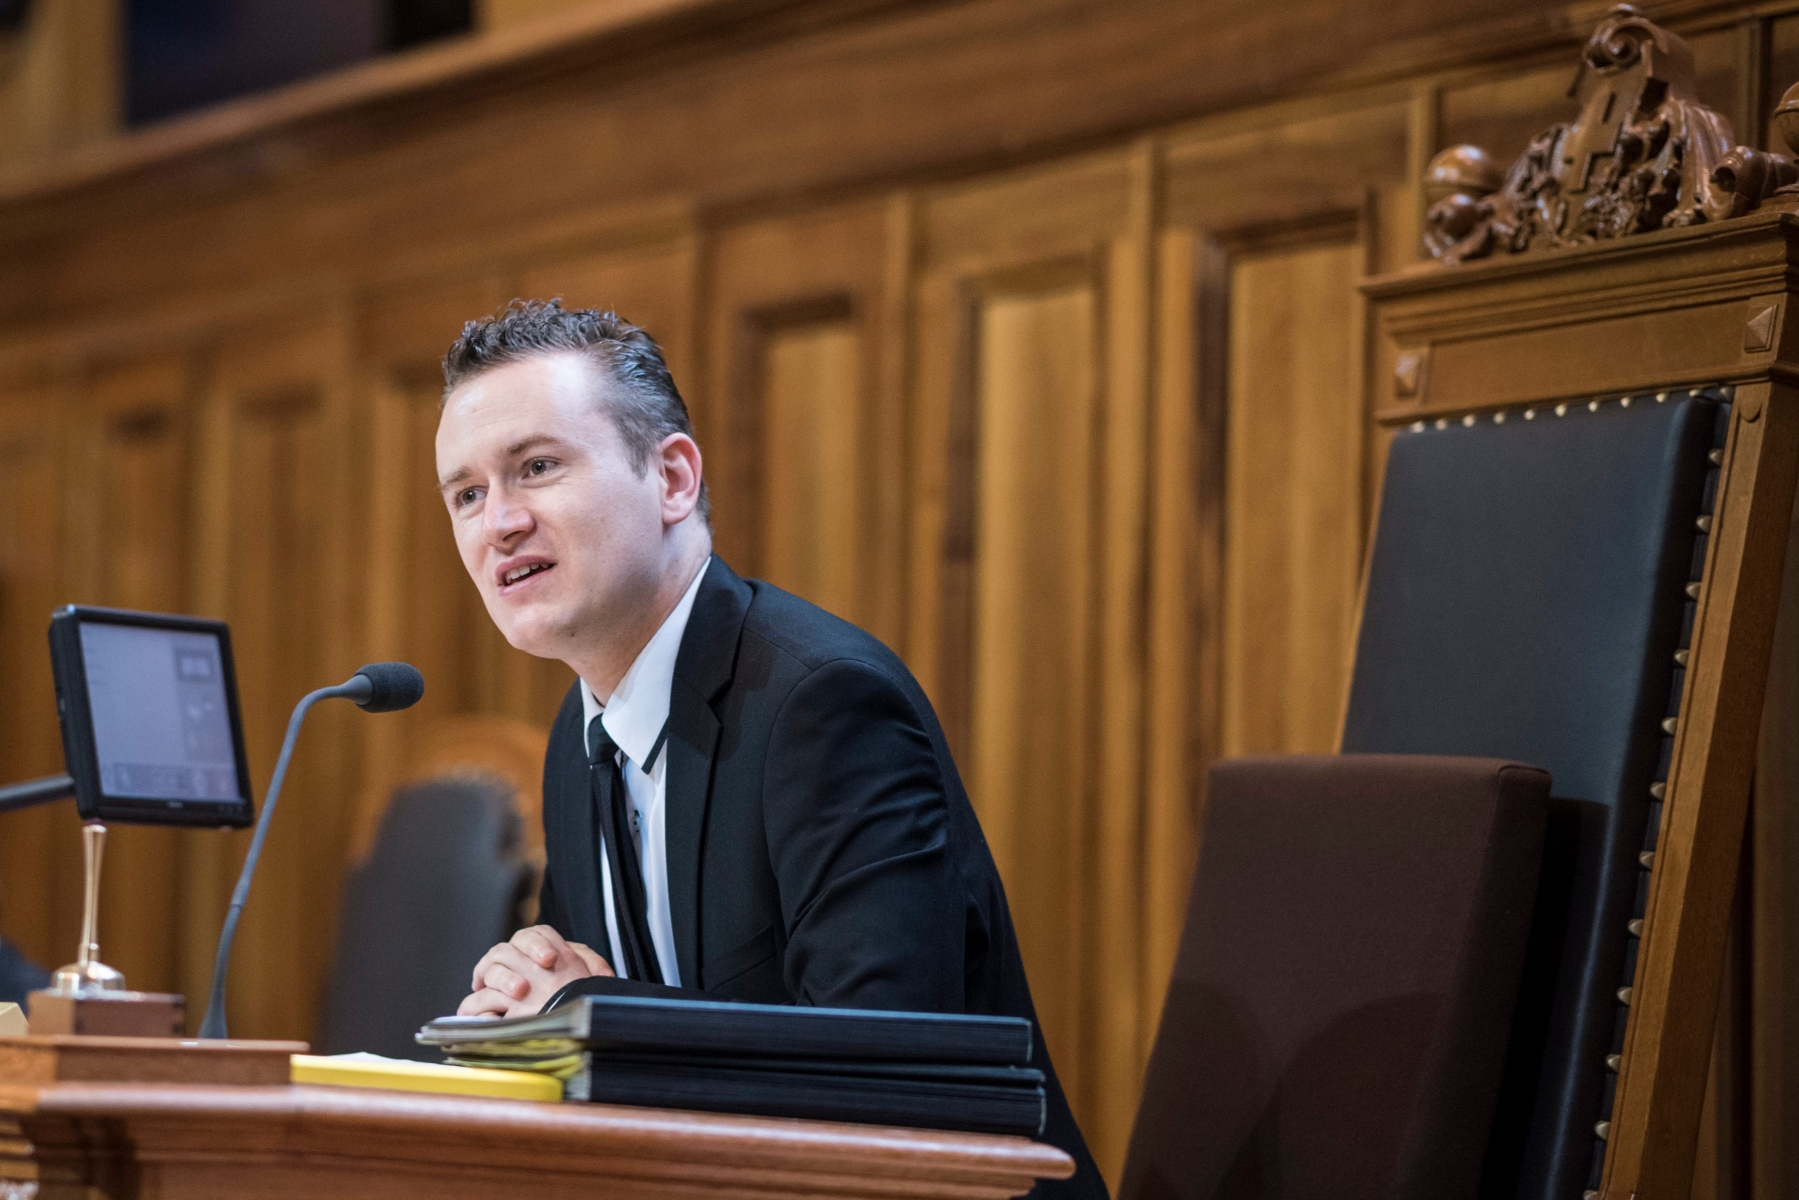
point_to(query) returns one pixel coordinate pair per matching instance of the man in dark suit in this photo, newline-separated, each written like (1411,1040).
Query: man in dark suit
(743,794)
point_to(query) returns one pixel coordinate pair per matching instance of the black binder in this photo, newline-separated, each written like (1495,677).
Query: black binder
(924,1070)
(638,1024)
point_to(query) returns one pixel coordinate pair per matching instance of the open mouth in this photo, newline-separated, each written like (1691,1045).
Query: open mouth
(513,576)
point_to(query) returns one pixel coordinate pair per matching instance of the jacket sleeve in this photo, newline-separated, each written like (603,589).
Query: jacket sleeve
(857,820)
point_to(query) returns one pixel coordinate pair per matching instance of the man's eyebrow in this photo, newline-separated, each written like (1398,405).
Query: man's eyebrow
(513,451)
(537,439)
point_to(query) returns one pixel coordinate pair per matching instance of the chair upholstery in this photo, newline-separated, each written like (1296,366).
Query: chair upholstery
(1526,597)
(443,882)
(1337,1020)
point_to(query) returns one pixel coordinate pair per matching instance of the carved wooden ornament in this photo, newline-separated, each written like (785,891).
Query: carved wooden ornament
(1644,154)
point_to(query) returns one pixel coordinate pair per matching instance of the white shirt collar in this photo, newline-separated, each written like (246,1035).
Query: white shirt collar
(639,707)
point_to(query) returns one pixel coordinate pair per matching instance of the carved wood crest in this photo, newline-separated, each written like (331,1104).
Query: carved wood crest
(1644,154)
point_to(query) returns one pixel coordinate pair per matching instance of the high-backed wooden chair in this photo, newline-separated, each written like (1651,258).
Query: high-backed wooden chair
(1592,432)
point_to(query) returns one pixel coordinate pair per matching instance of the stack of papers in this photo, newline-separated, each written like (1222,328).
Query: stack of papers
(927,1070)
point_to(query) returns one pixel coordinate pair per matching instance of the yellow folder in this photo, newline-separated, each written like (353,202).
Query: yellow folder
(374,1071)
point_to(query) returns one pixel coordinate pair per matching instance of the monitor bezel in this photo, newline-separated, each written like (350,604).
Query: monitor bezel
(81,754)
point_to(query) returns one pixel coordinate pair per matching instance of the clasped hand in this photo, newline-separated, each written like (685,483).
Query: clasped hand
(516,978)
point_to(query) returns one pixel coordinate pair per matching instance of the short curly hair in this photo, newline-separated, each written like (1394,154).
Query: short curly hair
(646,406)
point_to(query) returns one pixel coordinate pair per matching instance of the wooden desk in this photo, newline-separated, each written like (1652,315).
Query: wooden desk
(116,1140)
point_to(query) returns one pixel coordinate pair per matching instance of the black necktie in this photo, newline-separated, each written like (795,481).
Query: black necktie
(613,808)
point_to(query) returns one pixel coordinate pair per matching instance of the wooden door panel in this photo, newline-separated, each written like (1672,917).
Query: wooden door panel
(277,564)
(1029,747)
(134,535)
(1294,498)
(805,451)
(1028,609)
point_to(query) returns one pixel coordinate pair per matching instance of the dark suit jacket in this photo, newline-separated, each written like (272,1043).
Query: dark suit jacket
(821,849)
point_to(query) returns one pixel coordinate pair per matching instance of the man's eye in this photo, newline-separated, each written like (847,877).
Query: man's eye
(537,466)
(467,496)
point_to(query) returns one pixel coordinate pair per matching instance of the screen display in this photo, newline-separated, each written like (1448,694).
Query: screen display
(162,721)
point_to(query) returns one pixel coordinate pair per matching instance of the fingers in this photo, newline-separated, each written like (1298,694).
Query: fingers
(542,945)
(508,969)
(485,1003)
(595,964)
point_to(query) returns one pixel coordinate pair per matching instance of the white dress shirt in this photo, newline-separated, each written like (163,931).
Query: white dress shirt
(635,718)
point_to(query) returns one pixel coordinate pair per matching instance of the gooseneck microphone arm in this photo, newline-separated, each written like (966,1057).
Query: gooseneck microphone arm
(379,687)
(35,791)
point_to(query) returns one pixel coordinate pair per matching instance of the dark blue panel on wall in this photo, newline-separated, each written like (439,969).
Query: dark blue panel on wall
(184,54)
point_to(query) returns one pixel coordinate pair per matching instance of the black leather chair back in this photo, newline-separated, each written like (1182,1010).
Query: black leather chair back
(1526,598)
(1337,1019)
(443,883)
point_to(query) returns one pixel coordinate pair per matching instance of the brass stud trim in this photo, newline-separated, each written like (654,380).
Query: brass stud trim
(1647,858)
(1704,524)
(1715,457)
(1693,590)
(1624,995)
(1602,1130)
(1670,725)
(1635,927)
(1658,791)
(1680,658)
(1613,1062)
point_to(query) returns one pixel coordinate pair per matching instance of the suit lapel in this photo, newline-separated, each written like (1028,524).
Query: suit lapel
(702,669)
(577,863)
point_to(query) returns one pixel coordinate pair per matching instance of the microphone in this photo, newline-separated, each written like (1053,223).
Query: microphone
(378,687)
(386,687)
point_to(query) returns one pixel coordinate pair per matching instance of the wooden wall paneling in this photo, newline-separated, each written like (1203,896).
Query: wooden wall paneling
(40,849)
(423,607)
(277,559)
(1126,462)
(1333,198)
(807,449)
(1294,496)
(1030,469)
(133,552)
(1185,564)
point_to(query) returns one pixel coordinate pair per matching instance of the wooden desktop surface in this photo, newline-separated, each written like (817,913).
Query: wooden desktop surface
(115,1140)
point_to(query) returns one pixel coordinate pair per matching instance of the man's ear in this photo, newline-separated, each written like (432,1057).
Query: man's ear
(678,463)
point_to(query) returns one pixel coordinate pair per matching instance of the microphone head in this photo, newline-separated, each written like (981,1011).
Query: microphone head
(392,686)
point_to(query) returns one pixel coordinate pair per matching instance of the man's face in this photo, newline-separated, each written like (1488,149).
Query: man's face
(560,533)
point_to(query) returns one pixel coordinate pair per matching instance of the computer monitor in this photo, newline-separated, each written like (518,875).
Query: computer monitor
(150,726)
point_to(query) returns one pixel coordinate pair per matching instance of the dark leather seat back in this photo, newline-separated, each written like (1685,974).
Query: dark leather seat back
(442,883)
(1336,1022)
(1526,597)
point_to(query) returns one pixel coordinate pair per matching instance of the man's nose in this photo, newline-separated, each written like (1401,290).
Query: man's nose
(504,519)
